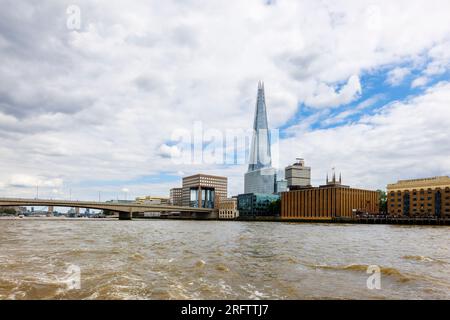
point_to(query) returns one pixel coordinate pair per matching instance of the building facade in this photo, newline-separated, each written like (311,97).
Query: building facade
(260,177)
(428,197)
(328,201)
(252,205)
(298,176)
(281,186)
(176,196)
(228,208)
(260,181)
(204,191)
(152,200)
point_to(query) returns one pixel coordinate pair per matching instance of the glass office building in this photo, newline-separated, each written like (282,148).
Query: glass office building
(252,205)
(260,177)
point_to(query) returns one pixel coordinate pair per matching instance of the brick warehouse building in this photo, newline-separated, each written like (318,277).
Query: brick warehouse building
(428,197)
(327,202)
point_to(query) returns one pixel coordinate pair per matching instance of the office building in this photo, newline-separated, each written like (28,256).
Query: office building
(298,175)
(260,177)
(202,190)
(280,186)
(252,205)
(228,208)
(429,197)
(328,201)
(176,196)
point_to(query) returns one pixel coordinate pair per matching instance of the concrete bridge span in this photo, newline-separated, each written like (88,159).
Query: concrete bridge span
(125,210)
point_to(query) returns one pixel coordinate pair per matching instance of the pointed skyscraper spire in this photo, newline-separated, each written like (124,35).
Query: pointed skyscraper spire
(260,155)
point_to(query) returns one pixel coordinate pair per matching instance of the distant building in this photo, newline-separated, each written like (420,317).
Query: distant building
(328,201)
(152,200)
(260,177)
(281,186)
(121,201)
(176,196)
(228,208)
(298,176)
(252,205)
(280,182)
(429,197)
(203,191)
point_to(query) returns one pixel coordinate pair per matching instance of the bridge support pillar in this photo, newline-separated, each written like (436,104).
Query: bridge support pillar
(77,212)
(50,210)
(126,215)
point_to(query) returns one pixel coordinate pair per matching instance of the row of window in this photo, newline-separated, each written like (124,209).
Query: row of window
(421,210)
(429,191)
(228,214)
(420,205)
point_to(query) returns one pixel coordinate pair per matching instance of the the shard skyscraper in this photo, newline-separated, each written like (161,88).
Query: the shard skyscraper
(260,177)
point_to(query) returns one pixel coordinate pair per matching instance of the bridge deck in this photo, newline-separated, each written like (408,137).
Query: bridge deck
(119,207)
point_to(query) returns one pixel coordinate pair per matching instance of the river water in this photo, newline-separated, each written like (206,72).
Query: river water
(160,259)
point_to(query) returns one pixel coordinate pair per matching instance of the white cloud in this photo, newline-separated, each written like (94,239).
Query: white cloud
(396,76)
(169,151)
(327,97)
(344,115)
(25,181)
(419,82)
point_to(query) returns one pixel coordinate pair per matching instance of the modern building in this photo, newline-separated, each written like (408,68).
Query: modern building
(298,175)
(429,197)
(327,202)
(228,208)
(152,200)
(280,186)
(176,196)
(252,205)
(202,190)
(260,177)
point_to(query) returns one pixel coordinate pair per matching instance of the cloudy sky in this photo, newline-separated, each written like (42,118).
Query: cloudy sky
(91,105)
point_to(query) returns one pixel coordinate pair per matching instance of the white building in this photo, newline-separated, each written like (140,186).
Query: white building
(228,208)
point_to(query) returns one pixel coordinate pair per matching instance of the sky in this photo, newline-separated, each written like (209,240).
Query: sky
(94,94)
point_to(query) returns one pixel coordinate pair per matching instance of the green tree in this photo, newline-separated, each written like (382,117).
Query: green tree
(383,201)
(275,207)
(108,212)
(8,211)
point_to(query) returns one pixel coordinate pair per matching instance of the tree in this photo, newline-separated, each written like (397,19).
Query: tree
(383,201)
(108,212)
(275,207)
(8,211)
